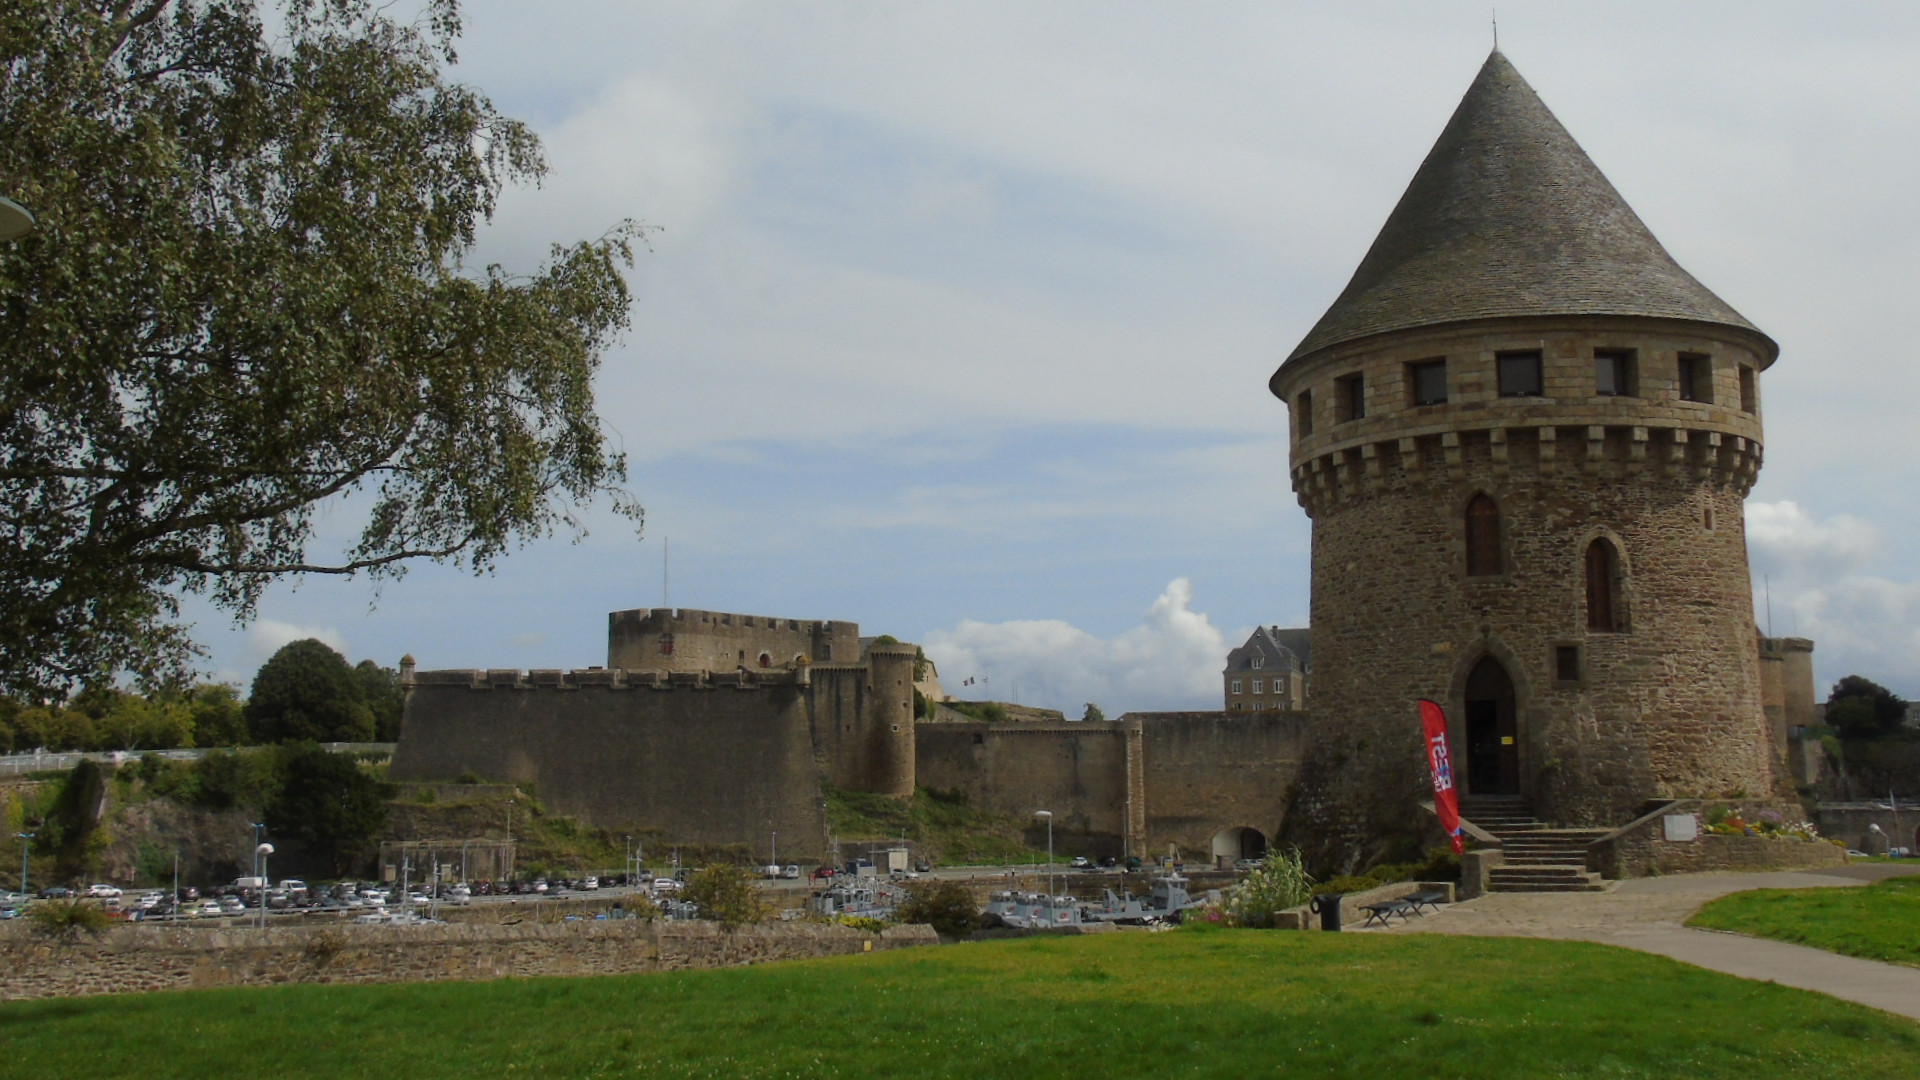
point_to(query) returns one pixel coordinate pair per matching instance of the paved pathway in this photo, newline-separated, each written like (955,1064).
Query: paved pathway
(1648,914)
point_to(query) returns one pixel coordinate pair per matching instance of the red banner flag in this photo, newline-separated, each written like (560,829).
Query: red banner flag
(1446,801)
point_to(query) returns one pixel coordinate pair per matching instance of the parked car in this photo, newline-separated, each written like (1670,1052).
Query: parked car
(1081,862)
(791,872)
(102,891)
(923,866)
(209,909)
(666,886)
(57,892)
(591,884)
(232,905)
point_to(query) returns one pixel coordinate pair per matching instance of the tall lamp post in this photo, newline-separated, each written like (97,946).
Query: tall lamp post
(1048,815)
(26,847)
(260,853)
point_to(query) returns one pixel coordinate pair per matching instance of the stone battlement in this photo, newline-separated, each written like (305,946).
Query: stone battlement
(610,679)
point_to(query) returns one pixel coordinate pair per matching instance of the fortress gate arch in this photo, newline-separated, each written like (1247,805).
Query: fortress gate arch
(1493,730)
(1238,842)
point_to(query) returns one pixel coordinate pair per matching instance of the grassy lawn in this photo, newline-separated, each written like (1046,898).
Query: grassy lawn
(1878,922)
(1220,1003)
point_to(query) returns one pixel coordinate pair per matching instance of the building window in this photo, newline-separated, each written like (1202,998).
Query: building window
(1257,706)
(1259,686)
(1238,707)
(1613,372)
(1236,686)
(1749,392)
(1519,373)
(1303,413)
(666,644)
(1483,537)
(1350,397)
(1427,382)
(1566,663)
(1258,660)
(1696,378)
(1603,571)
(766,660)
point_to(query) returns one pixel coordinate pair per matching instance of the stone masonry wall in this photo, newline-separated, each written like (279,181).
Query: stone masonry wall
(722,641)
(1670,706)
(140,958)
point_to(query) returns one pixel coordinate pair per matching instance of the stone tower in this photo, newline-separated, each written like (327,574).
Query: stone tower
(1524,435)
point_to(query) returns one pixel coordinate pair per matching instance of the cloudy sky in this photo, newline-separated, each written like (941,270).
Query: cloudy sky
(959,317)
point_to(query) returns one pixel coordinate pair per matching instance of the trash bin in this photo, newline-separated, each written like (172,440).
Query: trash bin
(1327,906)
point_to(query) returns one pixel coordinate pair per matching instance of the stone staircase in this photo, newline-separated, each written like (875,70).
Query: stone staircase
(1539,857)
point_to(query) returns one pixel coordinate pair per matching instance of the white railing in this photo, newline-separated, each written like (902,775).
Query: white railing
(62,760)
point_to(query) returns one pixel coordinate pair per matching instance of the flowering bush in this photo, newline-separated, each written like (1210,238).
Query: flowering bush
(1724,822)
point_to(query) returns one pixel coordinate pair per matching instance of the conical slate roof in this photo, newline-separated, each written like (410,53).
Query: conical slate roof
(1509,217)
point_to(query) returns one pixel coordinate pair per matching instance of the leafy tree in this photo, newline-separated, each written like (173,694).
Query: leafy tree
(1859,708)
(380,688)
(245,299)
(1094,712)
(947,906)
(331,808)
(307,693)
(726,895)
(219,719)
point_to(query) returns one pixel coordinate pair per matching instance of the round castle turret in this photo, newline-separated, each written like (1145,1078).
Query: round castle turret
(1524,435)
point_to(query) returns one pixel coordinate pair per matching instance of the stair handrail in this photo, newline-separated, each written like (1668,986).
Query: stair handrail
(1481,837)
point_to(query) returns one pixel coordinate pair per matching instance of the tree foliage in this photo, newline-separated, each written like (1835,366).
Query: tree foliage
(329,806)
(947,906)
(1859,708)
(244,299)
(306,693)
(726,895)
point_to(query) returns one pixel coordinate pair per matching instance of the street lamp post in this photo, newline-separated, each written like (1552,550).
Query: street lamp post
(1048,815)
(26,847)
(260,853)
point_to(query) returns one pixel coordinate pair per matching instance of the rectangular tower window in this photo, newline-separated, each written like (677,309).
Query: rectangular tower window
(1613,372)
(1519,373)
(1566,663)
(1696,378)
(1236,686)
(1303,413)
(1258,684)
(1749,392)
(1350,397)
(1427,382)
(666,644)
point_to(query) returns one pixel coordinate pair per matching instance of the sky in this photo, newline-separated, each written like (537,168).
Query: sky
(957,317)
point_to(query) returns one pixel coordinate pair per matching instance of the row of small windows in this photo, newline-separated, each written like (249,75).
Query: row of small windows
(1259,686)
(1485,558)
(1519,374)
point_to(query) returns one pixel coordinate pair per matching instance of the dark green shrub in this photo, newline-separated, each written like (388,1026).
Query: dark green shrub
(947,906)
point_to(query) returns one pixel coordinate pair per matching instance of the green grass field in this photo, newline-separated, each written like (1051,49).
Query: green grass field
(1215,1004)
(1878,922)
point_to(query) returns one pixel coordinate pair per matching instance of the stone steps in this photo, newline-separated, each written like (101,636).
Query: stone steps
(1537,856)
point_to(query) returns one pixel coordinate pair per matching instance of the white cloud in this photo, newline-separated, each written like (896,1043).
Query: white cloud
(1172,660)
(1822,581)
(265,637)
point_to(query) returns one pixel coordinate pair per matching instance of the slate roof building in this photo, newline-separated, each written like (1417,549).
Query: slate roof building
(1269,672)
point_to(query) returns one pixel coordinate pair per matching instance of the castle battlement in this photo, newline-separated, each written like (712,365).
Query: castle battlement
(608,679)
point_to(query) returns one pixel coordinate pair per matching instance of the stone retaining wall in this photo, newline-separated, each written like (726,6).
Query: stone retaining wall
(1641,848)
(137,958)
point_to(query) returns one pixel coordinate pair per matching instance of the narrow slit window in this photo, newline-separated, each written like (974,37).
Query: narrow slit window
(1483,537)
(1519,374)
(1303,413)
(1749,391)
(1602,587)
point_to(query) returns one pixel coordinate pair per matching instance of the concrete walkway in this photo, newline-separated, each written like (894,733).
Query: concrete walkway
(1649,914)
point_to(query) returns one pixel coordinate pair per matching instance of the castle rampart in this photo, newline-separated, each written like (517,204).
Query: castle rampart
(687,639)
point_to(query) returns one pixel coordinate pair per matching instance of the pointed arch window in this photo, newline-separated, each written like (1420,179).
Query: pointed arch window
(1483,537)
(1603,587)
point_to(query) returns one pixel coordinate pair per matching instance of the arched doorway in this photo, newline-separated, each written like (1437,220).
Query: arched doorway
(1493,731)
(1238,842)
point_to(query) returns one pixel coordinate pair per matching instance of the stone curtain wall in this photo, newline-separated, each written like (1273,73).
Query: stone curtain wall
(1078,771)
(709,763)
(1208,771)
(137,958)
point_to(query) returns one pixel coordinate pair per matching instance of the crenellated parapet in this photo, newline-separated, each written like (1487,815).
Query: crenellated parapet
(610,679)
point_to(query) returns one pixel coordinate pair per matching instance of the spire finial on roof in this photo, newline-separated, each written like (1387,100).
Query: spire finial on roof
(1508,217)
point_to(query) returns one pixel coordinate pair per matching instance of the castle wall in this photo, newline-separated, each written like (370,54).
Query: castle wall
(1208,771)
(1078,771)
(686,639)
(702,762)
(863,721)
